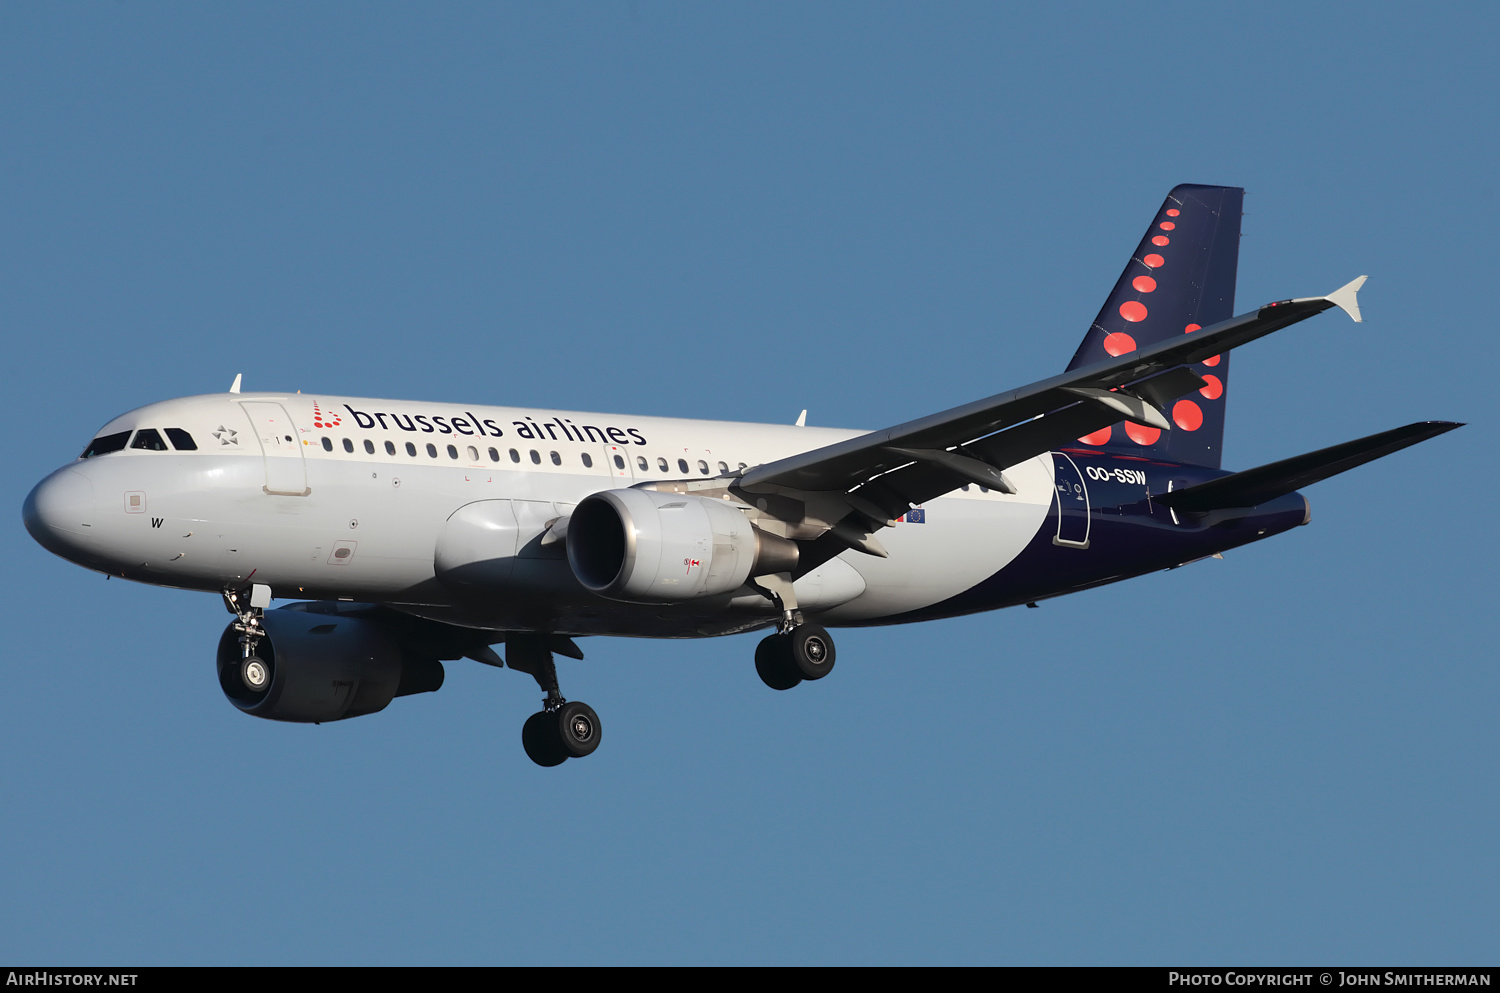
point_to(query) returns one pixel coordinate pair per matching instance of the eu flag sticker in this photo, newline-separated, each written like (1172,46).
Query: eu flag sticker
(916,516)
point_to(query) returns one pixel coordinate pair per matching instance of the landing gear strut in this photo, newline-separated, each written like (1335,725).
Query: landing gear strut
(798,650)
(254,673)
(560,730)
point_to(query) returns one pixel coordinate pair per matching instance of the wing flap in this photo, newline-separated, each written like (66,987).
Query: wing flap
(1162,390)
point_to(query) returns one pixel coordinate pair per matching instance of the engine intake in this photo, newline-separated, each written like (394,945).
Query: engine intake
(645,546)
(324,668)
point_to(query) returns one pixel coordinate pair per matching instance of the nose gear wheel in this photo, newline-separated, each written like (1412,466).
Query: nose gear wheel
(255,674)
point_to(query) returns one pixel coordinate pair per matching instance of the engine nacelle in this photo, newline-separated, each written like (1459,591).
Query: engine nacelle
(324,667)
(650,547)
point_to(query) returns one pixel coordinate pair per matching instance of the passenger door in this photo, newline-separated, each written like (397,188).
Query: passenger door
(280,445)
(1072,496)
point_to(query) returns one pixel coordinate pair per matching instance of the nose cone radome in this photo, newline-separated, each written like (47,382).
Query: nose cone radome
(59,513)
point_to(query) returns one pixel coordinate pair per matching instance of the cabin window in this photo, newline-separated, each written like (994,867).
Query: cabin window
(327,444)
(411,449)
(661,464)
(536,457)
(453,451)
(619,462)
(348,445)
(743,467)
(556,459)
(494,455)
(515,456)
(390,448)
(682,466)
(703,467)
(369,447)
(588,462)
(431,450)
(723,468)
(106,443)
(473,454)
(147,439)
(641,463)
(181,440)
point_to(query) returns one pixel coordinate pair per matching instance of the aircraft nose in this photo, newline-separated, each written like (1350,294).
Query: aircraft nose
(60,510)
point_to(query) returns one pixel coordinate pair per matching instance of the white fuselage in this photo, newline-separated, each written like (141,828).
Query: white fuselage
(343,498)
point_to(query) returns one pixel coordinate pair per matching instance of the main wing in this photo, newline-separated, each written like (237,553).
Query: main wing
(880,475)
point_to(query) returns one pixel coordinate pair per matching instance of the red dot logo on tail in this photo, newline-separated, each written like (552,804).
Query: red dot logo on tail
(1187,415)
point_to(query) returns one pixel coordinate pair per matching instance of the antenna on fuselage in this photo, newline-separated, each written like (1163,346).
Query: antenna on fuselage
(802,419)
(235,386)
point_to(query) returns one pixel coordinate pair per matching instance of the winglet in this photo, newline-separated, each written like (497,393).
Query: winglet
(1345,298)
(235,387)
(802,419)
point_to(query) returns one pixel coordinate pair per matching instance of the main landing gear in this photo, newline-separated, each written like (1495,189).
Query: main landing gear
(560,730)
(788,657)
(797,650)
(551,737)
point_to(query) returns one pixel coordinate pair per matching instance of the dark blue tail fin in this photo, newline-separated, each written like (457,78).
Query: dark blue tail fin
(1181,278)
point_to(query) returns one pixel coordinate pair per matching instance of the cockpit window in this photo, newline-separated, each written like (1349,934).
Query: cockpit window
(181,440)
(149,439)
(106,443)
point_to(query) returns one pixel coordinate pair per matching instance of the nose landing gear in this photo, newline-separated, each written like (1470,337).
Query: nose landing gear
(252,677)
(255,674)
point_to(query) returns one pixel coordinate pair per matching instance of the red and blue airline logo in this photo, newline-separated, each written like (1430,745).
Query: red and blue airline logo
(325,420)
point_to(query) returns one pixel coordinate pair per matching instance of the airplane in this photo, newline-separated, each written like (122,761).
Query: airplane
(411,534)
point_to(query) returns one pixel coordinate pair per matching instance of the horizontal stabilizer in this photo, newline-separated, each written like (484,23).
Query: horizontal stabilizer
(1256,486)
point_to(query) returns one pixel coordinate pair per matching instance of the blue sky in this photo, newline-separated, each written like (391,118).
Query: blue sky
(872,211)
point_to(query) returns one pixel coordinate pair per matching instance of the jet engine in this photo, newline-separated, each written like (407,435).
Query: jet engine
(645,546)
(321,667)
